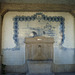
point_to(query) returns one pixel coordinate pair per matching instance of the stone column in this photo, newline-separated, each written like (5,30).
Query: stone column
(0,42)
(73,13)
(74,36)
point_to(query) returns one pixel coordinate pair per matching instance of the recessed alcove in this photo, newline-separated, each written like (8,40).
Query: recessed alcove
(48,27)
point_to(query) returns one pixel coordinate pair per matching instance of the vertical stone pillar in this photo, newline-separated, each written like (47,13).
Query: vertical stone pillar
(74,36)
(73,12)
(0,42)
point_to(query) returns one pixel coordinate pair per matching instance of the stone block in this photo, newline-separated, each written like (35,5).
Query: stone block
(41,74)
(39,67)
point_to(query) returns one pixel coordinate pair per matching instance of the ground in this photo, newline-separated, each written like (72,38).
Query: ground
(40,74)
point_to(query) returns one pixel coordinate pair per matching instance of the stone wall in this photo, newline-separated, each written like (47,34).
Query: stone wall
(41,1)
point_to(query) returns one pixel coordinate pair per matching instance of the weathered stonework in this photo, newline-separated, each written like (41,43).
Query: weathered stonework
(0,43)
(38,7)
(41,1)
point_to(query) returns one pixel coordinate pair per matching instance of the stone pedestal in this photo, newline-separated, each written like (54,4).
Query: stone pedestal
(39,55)
(39,48)
(41,67)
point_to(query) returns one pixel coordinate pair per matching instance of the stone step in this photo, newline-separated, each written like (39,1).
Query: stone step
(37,67)
(40,74)
(15,74)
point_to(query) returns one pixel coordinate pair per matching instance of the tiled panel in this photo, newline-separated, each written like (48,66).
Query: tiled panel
(32,24)
(38,24)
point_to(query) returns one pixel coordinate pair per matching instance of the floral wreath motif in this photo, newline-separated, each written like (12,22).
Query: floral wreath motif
(38,16)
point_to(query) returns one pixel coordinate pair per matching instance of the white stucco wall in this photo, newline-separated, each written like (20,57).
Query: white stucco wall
(63,55)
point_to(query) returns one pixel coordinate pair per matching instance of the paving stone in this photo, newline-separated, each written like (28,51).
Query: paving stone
(14,74)
(65,73)
(41,74)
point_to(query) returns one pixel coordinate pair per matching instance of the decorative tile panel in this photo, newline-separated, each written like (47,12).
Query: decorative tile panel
(59,25)
(40,30)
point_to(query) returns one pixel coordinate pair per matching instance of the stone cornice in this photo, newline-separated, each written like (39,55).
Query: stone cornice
(36,7)
(40,1)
